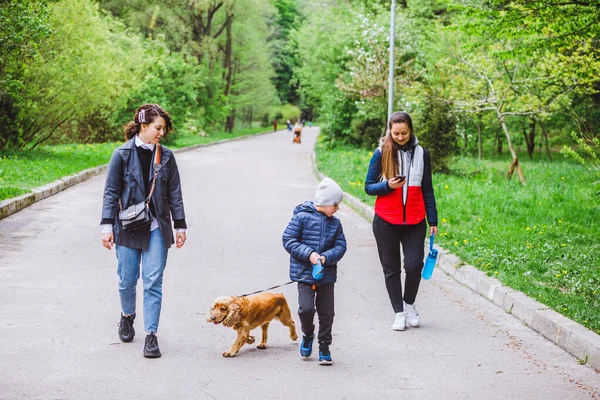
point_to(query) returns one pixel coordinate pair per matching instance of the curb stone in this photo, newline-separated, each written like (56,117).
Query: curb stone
(576,339)
(15,204)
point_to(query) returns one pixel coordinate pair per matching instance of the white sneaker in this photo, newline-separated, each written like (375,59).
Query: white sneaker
(412,316)
(400,322)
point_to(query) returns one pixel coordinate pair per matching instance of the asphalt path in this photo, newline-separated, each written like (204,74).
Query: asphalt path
(59,304)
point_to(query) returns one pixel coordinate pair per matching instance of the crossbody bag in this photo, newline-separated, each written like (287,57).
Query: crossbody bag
(138,215)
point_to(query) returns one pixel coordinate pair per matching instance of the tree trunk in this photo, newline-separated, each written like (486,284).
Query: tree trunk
(228,64)
(545,136)
(201,28)
(230,123)
(498,143)
(515,162)
(530,136)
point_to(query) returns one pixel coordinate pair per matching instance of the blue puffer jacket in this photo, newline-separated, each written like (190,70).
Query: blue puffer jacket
(308,231)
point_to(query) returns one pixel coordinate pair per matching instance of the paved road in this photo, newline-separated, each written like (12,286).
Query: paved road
(59,305)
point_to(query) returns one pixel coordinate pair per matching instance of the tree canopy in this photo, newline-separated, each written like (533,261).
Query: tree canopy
(478,77)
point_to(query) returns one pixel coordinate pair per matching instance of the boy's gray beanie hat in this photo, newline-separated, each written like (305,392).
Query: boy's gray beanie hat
(328,193)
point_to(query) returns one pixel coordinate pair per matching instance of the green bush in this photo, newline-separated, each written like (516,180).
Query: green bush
(437,131)
(291,112)
(366,134)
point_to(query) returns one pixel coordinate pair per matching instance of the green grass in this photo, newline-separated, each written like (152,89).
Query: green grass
(22,171)
(542,239)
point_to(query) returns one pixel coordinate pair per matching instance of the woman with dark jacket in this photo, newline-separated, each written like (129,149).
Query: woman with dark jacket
(142,170)
(400,176)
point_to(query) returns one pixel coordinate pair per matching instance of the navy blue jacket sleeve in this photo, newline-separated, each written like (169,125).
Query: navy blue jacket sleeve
(175,196)
(373,186)
(427,189)
(338,250)
(291,240)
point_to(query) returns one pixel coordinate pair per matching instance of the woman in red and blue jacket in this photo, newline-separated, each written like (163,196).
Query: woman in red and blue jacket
(400,176)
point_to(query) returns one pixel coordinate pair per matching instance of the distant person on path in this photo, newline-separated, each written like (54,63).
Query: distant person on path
(310,124)
(297,133)
(289,125)
(316,242)
(274,125)
(400,176)
(129,181)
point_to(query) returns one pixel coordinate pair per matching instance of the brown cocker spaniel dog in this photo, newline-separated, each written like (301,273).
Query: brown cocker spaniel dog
(246,313)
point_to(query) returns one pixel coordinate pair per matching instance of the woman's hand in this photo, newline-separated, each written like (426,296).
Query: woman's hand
(180,239)
(108,240)
(396,183)
(433,230)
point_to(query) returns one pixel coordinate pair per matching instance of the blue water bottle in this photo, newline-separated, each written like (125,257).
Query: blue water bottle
(430,261)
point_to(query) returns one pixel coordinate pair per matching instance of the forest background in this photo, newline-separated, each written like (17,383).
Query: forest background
(494,87)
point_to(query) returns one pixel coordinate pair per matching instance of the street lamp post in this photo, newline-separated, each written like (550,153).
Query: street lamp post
(391,72)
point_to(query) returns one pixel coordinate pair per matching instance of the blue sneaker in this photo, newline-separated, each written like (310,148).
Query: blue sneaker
(306,346)
(325,357)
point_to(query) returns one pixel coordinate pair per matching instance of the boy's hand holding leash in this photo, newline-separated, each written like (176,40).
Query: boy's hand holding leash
(315,257)
(317,262)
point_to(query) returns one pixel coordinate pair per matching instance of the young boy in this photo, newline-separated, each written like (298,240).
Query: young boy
(314,235)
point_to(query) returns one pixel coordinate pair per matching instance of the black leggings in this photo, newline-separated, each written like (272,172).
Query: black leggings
(389,237)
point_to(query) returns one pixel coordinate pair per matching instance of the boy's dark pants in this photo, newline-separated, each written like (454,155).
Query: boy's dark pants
(306,310)
(389,237)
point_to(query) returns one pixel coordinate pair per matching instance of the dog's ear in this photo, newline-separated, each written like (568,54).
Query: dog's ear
(234,314)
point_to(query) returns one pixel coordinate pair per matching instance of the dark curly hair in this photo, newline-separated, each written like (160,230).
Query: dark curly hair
(146,114)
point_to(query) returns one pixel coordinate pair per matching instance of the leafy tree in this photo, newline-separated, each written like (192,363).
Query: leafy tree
(227,38)
(587,152)
(322,57)
(253,91)
(438,130)
(84,67)
(23,27)
(506,72)
(285,20)
(546,51)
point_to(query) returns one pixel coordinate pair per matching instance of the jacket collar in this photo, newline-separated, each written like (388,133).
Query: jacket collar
(128,151)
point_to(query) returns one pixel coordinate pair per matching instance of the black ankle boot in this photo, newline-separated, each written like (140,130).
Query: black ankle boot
(151,349)
(126,331)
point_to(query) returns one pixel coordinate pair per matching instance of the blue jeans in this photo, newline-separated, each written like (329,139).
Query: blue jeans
(154,260)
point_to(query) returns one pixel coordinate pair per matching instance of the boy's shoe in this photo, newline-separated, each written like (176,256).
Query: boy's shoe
(126,331)
(325,357)
(412,316)
(306,345)
(400,321)
(151,349)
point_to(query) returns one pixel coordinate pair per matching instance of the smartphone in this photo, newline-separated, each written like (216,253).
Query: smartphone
(400,178)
